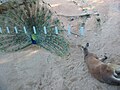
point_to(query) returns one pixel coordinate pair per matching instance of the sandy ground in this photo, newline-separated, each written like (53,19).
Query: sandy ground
(36,69)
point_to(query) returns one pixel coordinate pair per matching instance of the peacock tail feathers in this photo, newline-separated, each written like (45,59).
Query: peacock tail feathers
(29,13)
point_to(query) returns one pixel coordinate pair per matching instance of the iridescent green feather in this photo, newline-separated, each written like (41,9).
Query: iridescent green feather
(31,13)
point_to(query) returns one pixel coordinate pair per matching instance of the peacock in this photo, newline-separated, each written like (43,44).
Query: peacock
(24,15)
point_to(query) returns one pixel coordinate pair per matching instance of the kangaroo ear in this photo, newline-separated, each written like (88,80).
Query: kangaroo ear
(87,45)
(83,47)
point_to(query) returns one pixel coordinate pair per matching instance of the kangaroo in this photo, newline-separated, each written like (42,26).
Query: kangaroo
(106,73)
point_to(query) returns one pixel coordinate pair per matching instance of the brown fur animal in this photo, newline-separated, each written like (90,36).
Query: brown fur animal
(106,73)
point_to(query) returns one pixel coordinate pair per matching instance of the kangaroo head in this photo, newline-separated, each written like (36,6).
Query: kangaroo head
(85,49)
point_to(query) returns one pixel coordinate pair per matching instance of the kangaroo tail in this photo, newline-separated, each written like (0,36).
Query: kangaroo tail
(113,80)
